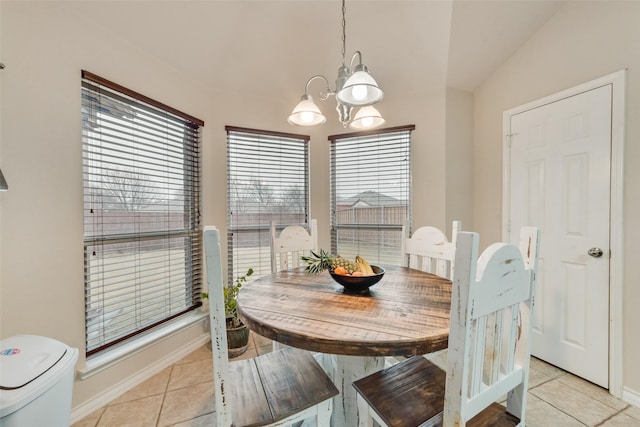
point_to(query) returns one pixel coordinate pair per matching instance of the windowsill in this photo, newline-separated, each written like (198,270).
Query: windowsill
(113,356)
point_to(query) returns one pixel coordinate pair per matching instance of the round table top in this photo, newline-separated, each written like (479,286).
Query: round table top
(406,313)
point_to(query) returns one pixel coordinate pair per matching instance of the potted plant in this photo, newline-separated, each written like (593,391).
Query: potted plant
(237,332)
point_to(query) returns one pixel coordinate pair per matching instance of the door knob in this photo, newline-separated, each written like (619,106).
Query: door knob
(595,252)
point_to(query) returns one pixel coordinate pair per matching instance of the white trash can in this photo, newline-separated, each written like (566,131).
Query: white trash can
(36,381)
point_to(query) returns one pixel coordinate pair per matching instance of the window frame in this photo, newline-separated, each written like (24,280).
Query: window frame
(179,235)
(374,253)
(264,141)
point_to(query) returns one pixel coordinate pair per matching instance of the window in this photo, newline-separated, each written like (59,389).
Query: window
(268,180)
(141,178)
(370,193)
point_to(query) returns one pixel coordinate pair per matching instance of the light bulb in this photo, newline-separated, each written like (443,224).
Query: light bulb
(306,116)
(359,92)
(367,122)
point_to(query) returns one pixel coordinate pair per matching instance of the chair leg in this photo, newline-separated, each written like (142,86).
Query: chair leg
(317,416)
(365,419)
(323,417)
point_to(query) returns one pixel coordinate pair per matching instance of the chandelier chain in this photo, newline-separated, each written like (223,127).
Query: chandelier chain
(354,87)
(344,31)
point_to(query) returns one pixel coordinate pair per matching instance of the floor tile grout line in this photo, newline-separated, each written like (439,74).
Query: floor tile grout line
(619,411)
(594,398)
(543,382)
(578,391)
(559,409)
(104,409)
(567,414)
(611,416)
(164,394)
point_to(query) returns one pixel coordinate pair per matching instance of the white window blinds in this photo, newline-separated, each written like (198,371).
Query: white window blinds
(370,193)
(141,168)
(268,180)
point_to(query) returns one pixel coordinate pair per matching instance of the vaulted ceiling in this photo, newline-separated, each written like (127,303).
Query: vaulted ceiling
(269,48)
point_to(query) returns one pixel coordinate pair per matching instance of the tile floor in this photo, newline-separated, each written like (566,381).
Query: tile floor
(182,396)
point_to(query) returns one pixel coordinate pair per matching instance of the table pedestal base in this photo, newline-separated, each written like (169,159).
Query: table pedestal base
(346,370)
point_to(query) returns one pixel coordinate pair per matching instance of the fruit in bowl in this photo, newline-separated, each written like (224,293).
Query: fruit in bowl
(357,282)
(355,277)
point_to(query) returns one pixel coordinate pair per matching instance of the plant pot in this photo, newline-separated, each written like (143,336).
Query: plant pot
(237,340)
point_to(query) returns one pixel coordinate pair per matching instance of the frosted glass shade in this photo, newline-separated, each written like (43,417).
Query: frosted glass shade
(360,89)
(367,118)
(306,113)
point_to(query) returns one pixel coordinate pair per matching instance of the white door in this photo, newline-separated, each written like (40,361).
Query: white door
(560,182)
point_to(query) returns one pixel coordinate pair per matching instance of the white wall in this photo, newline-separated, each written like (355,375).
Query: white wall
(45,46)
(459,148)
(583,41)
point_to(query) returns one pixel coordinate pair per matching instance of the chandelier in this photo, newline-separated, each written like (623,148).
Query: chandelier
(354,88)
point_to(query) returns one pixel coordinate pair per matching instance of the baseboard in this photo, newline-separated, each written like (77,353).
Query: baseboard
(100,400)
(631,396)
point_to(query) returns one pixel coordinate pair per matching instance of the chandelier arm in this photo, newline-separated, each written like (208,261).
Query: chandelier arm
(359,55)
(323,95)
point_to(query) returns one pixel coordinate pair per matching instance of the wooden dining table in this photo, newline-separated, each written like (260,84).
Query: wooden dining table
(406,313)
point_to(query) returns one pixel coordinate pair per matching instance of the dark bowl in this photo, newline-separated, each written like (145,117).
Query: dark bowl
(359,284)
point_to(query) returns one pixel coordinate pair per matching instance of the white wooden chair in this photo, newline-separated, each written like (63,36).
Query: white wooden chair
(287,248)
(275,389)
(293,242)
(494,293)
(428,249)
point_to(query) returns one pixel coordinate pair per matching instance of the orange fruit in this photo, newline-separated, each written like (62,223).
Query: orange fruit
(340,270)
(357,273)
